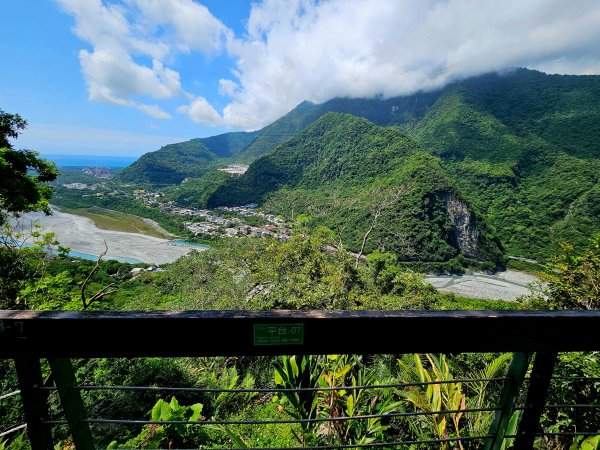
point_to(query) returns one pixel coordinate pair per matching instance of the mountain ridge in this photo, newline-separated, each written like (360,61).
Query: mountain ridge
(523,148)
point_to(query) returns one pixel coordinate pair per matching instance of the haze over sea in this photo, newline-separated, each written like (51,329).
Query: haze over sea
(91,160)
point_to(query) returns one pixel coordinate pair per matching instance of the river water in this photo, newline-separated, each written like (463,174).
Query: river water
(86,240)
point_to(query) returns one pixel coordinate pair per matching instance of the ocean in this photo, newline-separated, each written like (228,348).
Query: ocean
(91,160)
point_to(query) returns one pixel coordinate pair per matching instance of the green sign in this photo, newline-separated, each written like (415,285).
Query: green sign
(278,333)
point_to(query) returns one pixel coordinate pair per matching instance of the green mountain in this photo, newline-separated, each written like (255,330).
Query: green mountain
(368,183)
(173,163)
(522,148)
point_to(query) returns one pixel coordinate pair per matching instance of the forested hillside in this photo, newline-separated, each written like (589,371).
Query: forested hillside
(175,162)
(522,148)
(372,185)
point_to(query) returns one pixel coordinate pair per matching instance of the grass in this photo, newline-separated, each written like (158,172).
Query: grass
(107,219)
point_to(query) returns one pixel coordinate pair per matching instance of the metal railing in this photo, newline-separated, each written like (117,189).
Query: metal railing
(534,338)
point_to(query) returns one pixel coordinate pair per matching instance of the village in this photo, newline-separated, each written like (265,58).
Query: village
(230,221)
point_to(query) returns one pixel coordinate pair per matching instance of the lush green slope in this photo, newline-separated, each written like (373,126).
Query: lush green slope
(354,176)
(534,191)
(173,163)
(523,148)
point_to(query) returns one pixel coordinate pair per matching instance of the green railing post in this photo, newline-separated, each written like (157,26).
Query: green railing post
(508,398)
(72,403)
(541,375)
(35,404)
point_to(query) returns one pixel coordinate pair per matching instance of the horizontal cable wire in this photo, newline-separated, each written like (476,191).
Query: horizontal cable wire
(371,444)
(10,394)
(272,390)
(569,433)
(575,378)
(574,405)
(556,433)
(270,422)
(14,429)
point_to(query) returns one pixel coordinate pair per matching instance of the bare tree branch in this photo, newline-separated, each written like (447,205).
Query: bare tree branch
(381,201)
(106,290)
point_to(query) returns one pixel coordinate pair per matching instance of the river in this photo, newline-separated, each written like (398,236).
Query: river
(508,285)
(86,240)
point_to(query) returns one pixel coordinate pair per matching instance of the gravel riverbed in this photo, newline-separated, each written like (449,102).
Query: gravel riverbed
(508,285)
(82,235)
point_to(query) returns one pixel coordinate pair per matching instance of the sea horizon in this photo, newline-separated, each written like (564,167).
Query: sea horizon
(90,160)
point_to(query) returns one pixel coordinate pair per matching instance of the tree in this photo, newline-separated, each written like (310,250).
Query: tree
(577,283)
(23,173)
(22,188)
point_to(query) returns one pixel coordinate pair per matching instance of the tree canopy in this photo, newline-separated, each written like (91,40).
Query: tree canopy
(22,172)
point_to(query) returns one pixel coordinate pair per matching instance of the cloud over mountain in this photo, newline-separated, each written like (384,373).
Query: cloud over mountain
(296,50)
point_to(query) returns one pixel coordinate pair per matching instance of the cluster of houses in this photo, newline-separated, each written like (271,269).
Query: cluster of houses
(215,224)
(99,172)
(148,198)
(222,221)
(81,186)
(237,228)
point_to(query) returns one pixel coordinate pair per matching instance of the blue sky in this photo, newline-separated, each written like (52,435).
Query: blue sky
(123,77)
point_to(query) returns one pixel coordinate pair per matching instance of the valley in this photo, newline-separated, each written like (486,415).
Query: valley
(82,235)
(519,148)
(445,181)
(300,224)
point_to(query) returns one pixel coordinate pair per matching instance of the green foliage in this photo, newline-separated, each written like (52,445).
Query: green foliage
(25,255)
(577,284)
(19,442)
(297,372)
(350,370)
(583,443)
(195,192)
(22,172)
(433,397)
(372,186)
(129,404)
(172,411)
(333,372)
(169,435)
(50,292)
(175,162)
(225,402)
(571,281)
(574,391)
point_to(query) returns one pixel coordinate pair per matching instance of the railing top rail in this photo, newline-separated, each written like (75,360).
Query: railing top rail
(222,333)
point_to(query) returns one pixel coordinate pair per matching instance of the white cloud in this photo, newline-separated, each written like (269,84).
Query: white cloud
(227,88)
(191,24)
(309,50)
(295,50)
(113,77)
(152,110)
(200,111)
(118,33)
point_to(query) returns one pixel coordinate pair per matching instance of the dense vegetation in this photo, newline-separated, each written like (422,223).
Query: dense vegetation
(517,153)
(175,162)
(372,185)
(303,273)
(520,147)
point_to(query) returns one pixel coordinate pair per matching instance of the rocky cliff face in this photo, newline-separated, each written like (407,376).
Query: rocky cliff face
(465,233)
